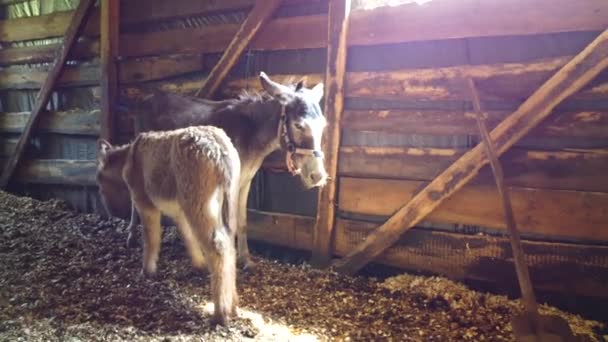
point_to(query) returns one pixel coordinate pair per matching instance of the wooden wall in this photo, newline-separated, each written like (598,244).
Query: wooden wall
(404,122)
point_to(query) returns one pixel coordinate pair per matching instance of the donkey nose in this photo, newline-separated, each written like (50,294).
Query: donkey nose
(316,177)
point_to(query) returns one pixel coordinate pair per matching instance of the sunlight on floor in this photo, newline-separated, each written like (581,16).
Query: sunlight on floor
(268,328)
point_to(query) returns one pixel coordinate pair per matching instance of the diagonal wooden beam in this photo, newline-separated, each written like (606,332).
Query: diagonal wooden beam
(261,12)
(567,81)
(77,24)
(335,73)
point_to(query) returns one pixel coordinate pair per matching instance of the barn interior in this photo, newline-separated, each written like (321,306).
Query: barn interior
(431,106)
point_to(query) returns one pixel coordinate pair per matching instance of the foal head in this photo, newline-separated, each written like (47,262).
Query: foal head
(301,128)
(112,189)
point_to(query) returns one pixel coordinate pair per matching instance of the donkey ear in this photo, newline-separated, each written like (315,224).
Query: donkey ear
(301,83)
(317,92)
(272,87)
(103,146)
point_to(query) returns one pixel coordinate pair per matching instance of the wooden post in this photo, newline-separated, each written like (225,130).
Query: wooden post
(260,13)
(76,26)
(334,105)
(567,81)
(109,38)
(521,268)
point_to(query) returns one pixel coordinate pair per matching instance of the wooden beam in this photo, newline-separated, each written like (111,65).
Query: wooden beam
(109,38)
(564,169)
(261,12)
(78,21)
(71,122)
(567,81)
(335,73)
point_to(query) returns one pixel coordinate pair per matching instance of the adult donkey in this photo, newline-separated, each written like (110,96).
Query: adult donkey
(284,117)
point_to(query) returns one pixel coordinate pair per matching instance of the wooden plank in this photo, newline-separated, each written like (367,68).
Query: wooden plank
(567,81)
(335,73)
(74,30)
(7,146)
(540,212)
(502,81)
(109,37)
(575,269)
(582,123)
(385,25)
(46,53)
(580,170)
(15,78)
(44,26)
(70,122)
(279,34)
(499,82)
(57,171)
(287,230)
(157,68)
(446,19)
(139,11)
(259,15)
(557,267)
(441,19)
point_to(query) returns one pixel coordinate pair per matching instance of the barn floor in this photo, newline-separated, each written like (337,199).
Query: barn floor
(67,276)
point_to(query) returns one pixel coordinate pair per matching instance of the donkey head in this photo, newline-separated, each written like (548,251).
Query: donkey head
(303,126)
(113,190)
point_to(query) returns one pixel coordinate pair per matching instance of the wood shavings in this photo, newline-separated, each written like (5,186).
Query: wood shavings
(66,276)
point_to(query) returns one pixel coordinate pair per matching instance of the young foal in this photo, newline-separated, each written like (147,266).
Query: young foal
(192,176)
(285,117)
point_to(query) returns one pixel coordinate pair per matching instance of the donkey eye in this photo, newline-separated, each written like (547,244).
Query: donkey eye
(298,126)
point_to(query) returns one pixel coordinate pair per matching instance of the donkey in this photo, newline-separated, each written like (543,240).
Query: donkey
(283,117)
(192,176)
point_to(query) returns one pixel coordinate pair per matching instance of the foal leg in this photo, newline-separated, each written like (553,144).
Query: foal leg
(192,245)
(244,258)
(150,217)
(218,244)
(133,232)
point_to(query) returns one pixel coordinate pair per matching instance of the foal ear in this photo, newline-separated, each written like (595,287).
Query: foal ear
(103,146)
(317,92)
(272,87)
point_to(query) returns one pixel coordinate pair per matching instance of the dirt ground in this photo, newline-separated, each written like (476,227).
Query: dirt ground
(66,276)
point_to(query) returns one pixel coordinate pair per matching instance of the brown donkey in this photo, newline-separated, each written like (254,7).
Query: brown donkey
(192,176)
(283,117)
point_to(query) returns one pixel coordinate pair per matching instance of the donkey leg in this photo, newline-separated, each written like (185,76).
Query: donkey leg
(133,232)
(152,238)
(192,245)
(244,259)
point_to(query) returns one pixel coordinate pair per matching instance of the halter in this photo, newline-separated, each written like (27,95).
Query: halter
(287,143)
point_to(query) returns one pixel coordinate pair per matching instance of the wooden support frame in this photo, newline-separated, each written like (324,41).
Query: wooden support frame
(74,30)
(109,40)
(335,74)
(261,12)
(567,81)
